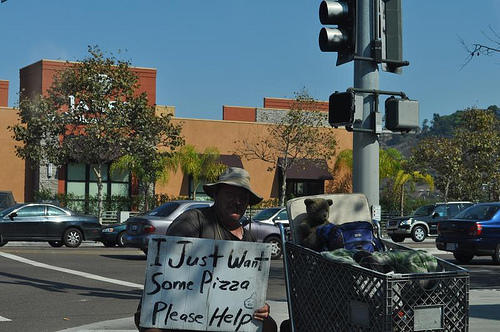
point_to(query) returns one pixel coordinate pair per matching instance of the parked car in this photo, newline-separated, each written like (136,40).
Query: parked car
(473,232)
(272,215)
(47,222)
(266,232)
(6,199)
(114,234)
(423,221)
(140,228)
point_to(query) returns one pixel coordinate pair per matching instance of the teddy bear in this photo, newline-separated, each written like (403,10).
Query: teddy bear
(317,215)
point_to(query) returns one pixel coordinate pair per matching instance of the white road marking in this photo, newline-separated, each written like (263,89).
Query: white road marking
(3,319)
(78,273)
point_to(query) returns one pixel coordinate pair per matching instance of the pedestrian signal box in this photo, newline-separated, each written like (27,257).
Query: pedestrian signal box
(341,108)
(401,114)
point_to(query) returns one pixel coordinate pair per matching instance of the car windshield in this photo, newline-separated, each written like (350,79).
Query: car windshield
(164,210)
(479,212)
(6,211)
(265,214)
(425,210)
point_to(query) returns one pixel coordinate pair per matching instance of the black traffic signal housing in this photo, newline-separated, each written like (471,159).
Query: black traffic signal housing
(341,39)
(341,109)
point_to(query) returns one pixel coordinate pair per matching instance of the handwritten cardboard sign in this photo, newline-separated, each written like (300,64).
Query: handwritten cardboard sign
(204,284)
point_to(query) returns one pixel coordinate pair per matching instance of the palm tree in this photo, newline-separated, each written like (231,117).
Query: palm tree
(343,172)
(203,166)
(148,171)
(404,178)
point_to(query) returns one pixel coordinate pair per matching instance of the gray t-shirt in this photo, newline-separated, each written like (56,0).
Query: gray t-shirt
(203,223)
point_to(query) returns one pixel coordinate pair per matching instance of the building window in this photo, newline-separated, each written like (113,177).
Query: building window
(81,183)
(200,193)
(298,188)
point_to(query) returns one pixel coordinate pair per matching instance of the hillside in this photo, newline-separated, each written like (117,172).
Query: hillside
(442,126)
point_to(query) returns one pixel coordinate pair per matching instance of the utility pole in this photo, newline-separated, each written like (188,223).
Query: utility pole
(370,33)
(366,76)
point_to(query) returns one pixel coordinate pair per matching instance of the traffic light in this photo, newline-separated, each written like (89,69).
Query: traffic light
(341,108)
(341,39)
(391,35)
(401,114)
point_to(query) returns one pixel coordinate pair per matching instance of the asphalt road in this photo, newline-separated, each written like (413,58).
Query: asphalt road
(74,287)
(52,289)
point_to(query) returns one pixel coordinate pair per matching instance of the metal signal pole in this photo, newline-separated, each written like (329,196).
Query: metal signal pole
(366,76)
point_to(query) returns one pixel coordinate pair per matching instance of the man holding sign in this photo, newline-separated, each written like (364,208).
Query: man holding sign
(232,195)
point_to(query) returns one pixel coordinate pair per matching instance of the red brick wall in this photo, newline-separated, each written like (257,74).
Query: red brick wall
(39,76)
(286,104)
(4,93)
(237,113)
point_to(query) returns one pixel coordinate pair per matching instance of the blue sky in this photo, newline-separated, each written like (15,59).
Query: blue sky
(235,52)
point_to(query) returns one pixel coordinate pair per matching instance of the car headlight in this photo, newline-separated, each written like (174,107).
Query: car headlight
(108,230)
(406,222)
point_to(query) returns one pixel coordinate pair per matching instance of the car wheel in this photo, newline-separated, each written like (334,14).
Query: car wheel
(2,242)
(276,249)
(418,233)
(72,238)
(56,244)
(496,255)
(120,239)
(463,257)
(397,238)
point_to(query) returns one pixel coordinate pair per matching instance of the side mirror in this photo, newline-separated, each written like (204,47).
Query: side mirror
(12,215)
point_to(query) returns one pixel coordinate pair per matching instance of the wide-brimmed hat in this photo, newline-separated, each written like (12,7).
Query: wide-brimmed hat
(233,176)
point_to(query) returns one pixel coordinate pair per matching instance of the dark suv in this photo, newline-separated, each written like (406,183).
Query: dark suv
(423,221)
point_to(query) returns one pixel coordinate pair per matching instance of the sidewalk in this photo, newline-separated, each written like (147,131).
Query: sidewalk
(484,314)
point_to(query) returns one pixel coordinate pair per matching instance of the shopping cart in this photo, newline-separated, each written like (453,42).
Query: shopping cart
(324,295)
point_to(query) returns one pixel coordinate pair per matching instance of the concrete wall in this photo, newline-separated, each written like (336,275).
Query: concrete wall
(11,168)
(224,135)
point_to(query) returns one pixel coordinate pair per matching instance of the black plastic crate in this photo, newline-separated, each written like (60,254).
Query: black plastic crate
(325,296)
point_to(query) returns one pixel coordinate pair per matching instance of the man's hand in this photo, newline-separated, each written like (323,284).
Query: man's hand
(262,313)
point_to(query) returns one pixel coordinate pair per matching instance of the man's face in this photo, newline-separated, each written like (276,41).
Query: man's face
(231,202)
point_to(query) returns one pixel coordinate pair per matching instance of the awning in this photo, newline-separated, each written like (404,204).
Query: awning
(230,160)
(308,169)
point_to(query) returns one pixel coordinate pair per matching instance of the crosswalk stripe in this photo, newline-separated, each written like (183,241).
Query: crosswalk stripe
(3,319)
(78,273)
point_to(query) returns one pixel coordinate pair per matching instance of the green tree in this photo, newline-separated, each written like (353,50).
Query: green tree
(92,115)
(441,157)
(342,171)
(467,165)
(148,171)
(403,179)
(389,164)
(296,136)
(202,167)
(479,139)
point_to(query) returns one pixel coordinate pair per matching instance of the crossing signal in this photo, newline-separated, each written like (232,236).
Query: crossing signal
(401,114)
(341,39)
(341,109)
